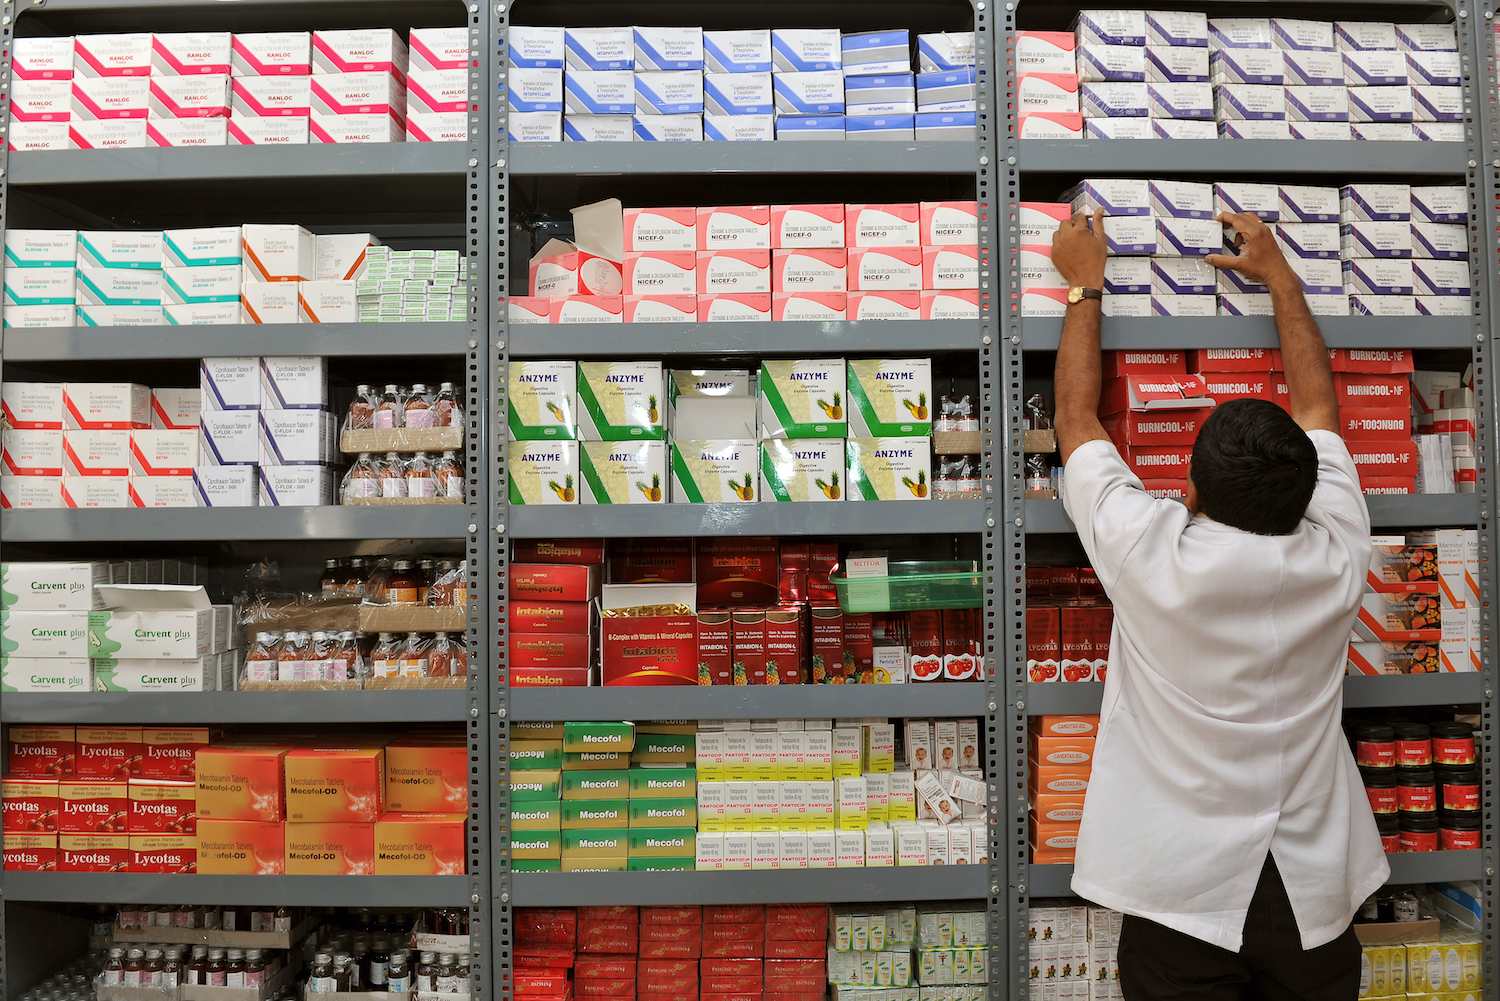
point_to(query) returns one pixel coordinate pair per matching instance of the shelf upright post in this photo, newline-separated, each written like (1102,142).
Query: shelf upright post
(7,36)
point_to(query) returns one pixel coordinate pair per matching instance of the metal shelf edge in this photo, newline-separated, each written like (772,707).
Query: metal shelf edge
(1242,156)
(768,518)
(557,889)
(22,344)
(538,340)
(1119,333)
(331,521)
(749,702)
(206,888)
(1410,511)
(570,158)
(374,706)
(233,162)
(1360,692)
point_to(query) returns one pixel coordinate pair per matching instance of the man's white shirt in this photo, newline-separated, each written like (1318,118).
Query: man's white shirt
(1219,735)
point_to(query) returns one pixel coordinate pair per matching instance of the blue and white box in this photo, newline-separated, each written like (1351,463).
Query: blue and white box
(1432,203)
(1181,100)
(738,128)
(1240,33)
(200,248)
(598,128)
(534,126)
(1242,66)
(1299,33)
(1383,276)
(1098,63)
(1117,196)
(1130,235)
(1177,28)
(1127,275)
(1373,202)
(599,48)
(668,92)
(1176,64)
(1437,104)
(668,128)
(1365,36)
(1255,130)
(943,51)
(1314,69)
(1184,305)
(816,93)
(1114,100)
(1381,104)
(1318,277)
(118,286)
(599,92)
(1317,104)
(1385,132)
(1306,203)
(42,286)
(1250,102)
(1181,199)
(1182,276)
(738,94)
(894,94)
(875,52)
(1309,240)
(535,48)
(1118,128)
(1327,131)
(229,437)
(1187,237)
(814,127)
(1178,128)
(947,126)
(1260,200)
(896,128)
(1427,37)
(1382,305)
(1440,132)
(747,51)
(951,91)
(1231,282)
(1434,69)
(1375,239)
(806,50)
(1111,27)
(535,89)
(1375,69)
(668,48)
(1440,277)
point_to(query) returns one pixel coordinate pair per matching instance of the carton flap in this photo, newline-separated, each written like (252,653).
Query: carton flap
(553,248)
(140,597)
(633,595)
(599,229)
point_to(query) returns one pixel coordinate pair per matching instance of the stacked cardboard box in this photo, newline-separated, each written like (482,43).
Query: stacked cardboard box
(1069,622)
(1060,760)
(554,612)
(1074,948)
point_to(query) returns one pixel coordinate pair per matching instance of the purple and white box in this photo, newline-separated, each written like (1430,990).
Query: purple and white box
(1310,240)
(1240,33)
(1305,203)
(1442,305)
(1130,235)
(1373,202)
(1318,277)
(1127,275)
(1244,304)
(1427,37)
(1184,305)
(1384,276)
(1317,104)
(1437,104)
(1175,64)
(1241,66)
(1441,277)
(1382,305)
(1300,34)
(1381,104)
(1365,36)
(1180,128)
(1193,101)
(1250,102)
(1263,200)
(1440,241)
(1375,69)
(1118,128)
(1385,132)
(1375,239)
(1187,237)
(1177,28)
(1117,196)
(1182,199)
(1314,69)
(1434,69)
(1325,131)
(1255,130)
(1182,276)
(1127,305)
(1113,100)
(1111,27)
(1439,203)
(1111,63)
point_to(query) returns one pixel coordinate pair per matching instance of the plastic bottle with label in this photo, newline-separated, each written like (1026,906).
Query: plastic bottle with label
(421,481)
(449,474)
(419,412)
(390,409)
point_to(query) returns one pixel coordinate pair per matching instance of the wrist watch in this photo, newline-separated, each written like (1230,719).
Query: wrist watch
(1078,293)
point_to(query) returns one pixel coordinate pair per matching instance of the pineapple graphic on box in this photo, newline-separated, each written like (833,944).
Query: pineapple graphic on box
(617,400)
(720,471)
(803,398)
(623,472)
(802,469)
(542,400)
(543,472)
(889,468)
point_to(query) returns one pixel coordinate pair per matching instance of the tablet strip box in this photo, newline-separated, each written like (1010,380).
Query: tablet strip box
(207,247)
(127,55)
(42,58)
(270,97)
(110,98)
(610,48)
(274,53)
(359,50)
(129,133)
(278,253)
(187,131)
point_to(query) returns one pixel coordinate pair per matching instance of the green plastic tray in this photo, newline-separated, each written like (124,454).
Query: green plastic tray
(913,586)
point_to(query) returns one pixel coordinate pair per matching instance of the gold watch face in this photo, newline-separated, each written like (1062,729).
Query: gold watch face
(1075,295)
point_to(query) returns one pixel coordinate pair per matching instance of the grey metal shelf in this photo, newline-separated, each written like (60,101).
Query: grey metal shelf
(752,702)
(436,521)
(570,158)
(564,889)
(22,344)
(376,706)
(1119,333)
(230,163)
(798,518)
(586,340)
(1412,511)
(196,888)
(1360,692)
(1235,157)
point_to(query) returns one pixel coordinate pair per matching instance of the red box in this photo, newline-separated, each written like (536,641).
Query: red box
(170,752)
(827,642)
(30,805)
(670,950)
(748,645)
(42,752)
(792,585)
(665,984)
(1158,463)
(728,931)
(1374,392)
(731,967)
(734,949)
(532,981)
(107,752)
(551,616)
(1155,429)
(1226,386)
(163,853)
(30,852)
(162,806)
(650,650)
(651,561)
(545,925)
(550,650)
(823,557)
(92,806)
(606,988)
(796,556)
(796,921)
(1378,361)
(687,914)
(609,912)
(796,975)
(93,853)
(554,581)
(740,569)
(1076,642)
(785,627)
(1167,390)
(541,956)
(793,996)
(1388,486)
(608,936)
(1384,458)
(550,677)
(1162,489)
(1104,628)
(730,985)
(1279,394)
(604,968)
(585,552)
(715,914)
(794,948)
(671,933)
(757,996)
(1364,424)
(859,646)
(1233,360)
(1118,363)
(715,648)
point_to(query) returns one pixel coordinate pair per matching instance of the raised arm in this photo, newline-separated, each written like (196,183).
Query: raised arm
(1078,253)
(1309,379)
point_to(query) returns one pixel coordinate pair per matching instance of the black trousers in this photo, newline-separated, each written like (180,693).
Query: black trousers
(1160,964)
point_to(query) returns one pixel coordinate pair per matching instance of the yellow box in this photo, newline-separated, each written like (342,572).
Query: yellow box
(420,844)
(880,747)
(585,761)
(791,809)
(335,784)
(822,806)
(535,844)
(594,843)
(241,783)
(592,863)
(1422,957)
(817,757)
(335,849)
(878,796)
(710,756)
(1470,955)
(848,753)
(711,806)
(736,755)
(791,755)
(427,778)
(241,847)
(739,806)
(764,805)
(852,808)
(763,765)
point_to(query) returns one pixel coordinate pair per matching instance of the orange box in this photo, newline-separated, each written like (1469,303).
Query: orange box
(163,853)
(241,847)
(168,752)
(420,844)
(426,777)
(1058,778)
(92,806)
(335,785)
(108,752)
(1052,856)
(1060,808)
(93,853)
(163,806)
(42,751)
(1074,751)
(330,849)
(1065,726)
(241,783)
(30,806)
(30,852)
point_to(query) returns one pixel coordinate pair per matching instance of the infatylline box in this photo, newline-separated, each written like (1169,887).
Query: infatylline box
(599,48)
(737,51)
(888,468)
(530,48)
(739,128)
(668,49)
(806,50)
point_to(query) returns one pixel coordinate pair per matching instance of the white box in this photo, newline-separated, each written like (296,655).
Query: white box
(1319,278)
(200,284)
(1055,125)
(1177,28)
(593,92)
(1244,304)
(41,248)
(1117,196)
(1443,203)
(1381,276)
(272,97)
(229,384)
(1043,52)
(124,133)
(359,50)
(1443,132)
(295,437)
(1439,278)
(1380,104)
(1240,33)
(809,93)
(437,126)
(1184,305)
(957,126)
(599,48)
(1440,241)
(175,409)
(42,58)
(739,128)
(1037,270)
(110,98)
(529,48)
(1296,33)
(1118,128)
(1442,305)
(598,128)
(1317,104)
(1126,276)
(40,316)
(105,406)
(733,307)
(120,249)
(747,51)
(1329,131)
(806,50)
(229,438)
(1187,237)
(1383,131)
(96,453)
(945,50)
(296,486)
(737,93)
(1127,305)
(1375,69)
(1434,69)
(662,272)
(1111,26)
(1365,35)
(212,247)
(349,95)
(162,453)
(435,92)
(32,405)
(661,229)
(278,253)
(891,94)
(951,267)
(809,270)
(1265,67)
(341,256)
(1181,276)
(1130,234)
(734,270)
(1314,69)
(1300,204)
(950,305)
(744,227)
(668,93)
(807,226)
(879,128)
(327,302)
(40,286)
(866,53)
(658,309)
(202,314)
(112,55)
(1382,305)
(1181,100)
(816,306)
(1047,92)
(884,268)
(1307,239)
(1249,102)
(1177,64)
(32,453)
(270,302)
(1427,37)
(668,48)
(290,131)
(1368,202)
(120,316)
(31,491)
(1098,63)
(668,128)
(274,53)
(1263,200)
(226,486)
(41,100)
(1437,104)
(443,48)
(186,97)
(1113,100)
(1375,239)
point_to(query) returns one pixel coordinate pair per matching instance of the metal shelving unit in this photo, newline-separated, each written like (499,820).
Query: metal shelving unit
(1412,511)
(401,160)
(1182,332)
(1072,698)
(1240,156)
(27,344)
(564,889)
(298,891)
(204,524)
(794,518)
(582,340)
(750,702)
(159,709)
(572,158)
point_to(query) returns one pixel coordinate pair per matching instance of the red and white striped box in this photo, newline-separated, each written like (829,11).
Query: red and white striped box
(807,226)
(126,133)
(41,100)
(96,453)
(33,137)
(895,224)
(588,309)
(35,406)
(742,270)
(951,267)
(438,49)
(191,53)
(356,129)
(112,55)
(810,270)
(734,307)
(175,409)
(163,491)
(268,131)
(359,50)
(187,131)
(661,229)
(885,269)
(204,96)
(945,224)
(32,453)
(661,272)
(808,305)
(110,98)
(950,304)
(273,53)
(30,491)
(886,304)
(358,107)
(655,308)
(434,91)
(159,452)
(270,97)
(42,58)
(101,406)
(437,127)
(734,227)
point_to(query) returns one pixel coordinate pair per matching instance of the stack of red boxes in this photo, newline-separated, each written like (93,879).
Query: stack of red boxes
(553,612)
(546,939)
(1068,625)
(1152,408)
(1375,404)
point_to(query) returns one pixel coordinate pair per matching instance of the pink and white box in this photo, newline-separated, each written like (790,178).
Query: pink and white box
(205,96)
(1047,93)
(438,49)
(437,127)
(35,137)
(358,107)
(891,225)
(661,272)
(522,309)
(191,53)
(359,50)
(1045,301)
(32,453)
(42,59)
(661,229)
(735,307)
(291,131)
(955,267)
(565,270)
(41,101)
(807,226)
(737,227)
(108,98)
(885,268)
(808,305)
(112,55)
(437,105)
(274,53)
(660,308)
(944,224)
(1052,125)
(187,131)
(734,270)
(122,133)
(1039,220)
(270,97)
(95,491)
(888,304)
(96,453)
(30,491)
(163,491)
(950,304)
(810,270)
(588,309)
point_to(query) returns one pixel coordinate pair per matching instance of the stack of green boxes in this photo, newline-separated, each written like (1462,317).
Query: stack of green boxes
(412,285)
(599,797)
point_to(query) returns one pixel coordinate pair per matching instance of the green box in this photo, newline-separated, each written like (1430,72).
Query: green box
(663,748)
(594,863)
(582,814)
(598,737)
(534,755)
(585,760)
(592,842)
(536,815)
(536,785)
(650,864)
(596,785)
(535,730)
(664,813)
(663,842)
(535,865)
(536,844)
(663,783)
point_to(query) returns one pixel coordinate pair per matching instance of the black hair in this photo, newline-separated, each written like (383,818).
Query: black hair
(1254,467)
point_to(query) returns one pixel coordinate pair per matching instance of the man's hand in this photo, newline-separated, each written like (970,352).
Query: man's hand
(1260,258)
(1078,253)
